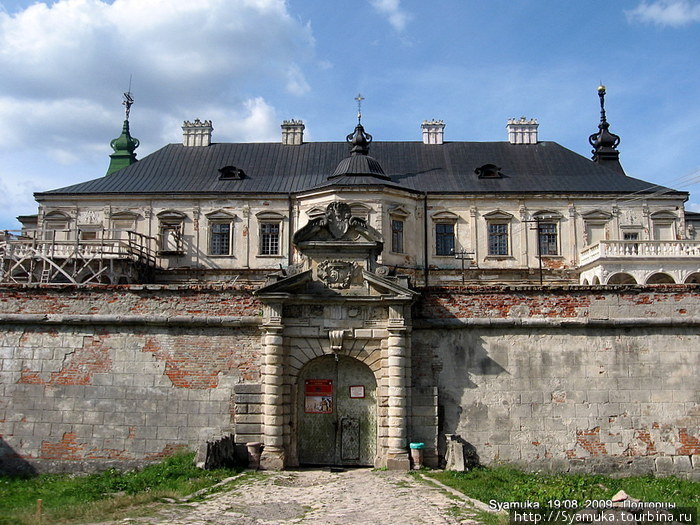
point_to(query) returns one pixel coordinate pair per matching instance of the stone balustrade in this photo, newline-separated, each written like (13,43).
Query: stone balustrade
(639,250)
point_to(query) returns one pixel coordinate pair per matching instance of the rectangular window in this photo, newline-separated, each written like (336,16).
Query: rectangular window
(56,231)
(171,237)
(498,239)
(548,238)
(220,238)
(269,238)
(396,236)
(123,224)
(631,236)
(444,239)
(88,235)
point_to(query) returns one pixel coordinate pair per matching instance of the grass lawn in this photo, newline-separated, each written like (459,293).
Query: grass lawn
(109,494)
(506,484)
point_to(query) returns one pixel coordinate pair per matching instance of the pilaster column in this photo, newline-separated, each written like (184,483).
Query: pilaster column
(397,458)
(273,456)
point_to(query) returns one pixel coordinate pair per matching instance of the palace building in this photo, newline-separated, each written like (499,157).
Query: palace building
(336,301)
(515,211)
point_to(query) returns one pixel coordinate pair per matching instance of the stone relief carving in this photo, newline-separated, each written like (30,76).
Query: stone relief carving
(336,273)
(88,217)
(337,224)
(382,271)
(629,217)
(338,218)
(316,311)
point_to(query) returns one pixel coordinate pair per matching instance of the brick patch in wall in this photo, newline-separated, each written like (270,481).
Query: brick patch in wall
(168,450)
(79,365)
(196,362)
(69,449)
(689,444)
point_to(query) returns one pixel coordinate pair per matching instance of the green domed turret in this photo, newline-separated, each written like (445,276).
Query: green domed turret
(123,146)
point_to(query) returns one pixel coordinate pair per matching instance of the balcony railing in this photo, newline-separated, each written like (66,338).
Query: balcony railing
(109,244)
(640,250)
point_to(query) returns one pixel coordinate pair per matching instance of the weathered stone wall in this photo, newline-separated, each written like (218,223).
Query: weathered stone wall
(563,378)
(569,379)
(126,375)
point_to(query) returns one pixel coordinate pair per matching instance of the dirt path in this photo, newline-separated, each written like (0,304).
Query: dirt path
(321,498)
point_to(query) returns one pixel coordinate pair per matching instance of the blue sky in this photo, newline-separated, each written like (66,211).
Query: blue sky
(249,64)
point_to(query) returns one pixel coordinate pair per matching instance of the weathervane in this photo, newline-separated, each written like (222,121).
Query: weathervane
(128,99)
(359,99)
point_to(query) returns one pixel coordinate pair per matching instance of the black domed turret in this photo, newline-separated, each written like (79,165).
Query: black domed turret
(359,163)
(359,140)
(604,142)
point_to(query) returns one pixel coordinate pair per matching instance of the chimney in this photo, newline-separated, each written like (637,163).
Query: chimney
(522,131)
(196,133)
(433,131)
(292,132)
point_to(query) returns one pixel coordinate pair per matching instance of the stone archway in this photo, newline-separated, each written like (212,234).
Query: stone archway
(693,278)
(622,278)
(336,412)
(660,278)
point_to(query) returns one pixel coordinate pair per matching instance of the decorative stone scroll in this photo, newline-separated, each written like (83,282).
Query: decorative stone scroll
(336,273)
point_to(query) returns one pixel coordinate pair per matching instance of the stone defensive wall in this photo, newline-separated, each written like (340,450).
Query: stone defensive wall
(580,379)
(563,378)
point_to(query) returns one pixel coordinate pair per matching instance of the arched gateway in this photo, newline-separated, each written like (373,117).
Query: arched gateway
(336,381)
(336,412)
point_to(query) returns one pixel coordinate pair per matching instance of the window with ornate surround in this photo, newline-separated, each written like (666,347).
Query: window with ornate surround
(498,234)
(56,226)
(270,234)
(170,232)
(221,229)
(547,232)
(445,228)
(664,225)
(595,224)
(397,218)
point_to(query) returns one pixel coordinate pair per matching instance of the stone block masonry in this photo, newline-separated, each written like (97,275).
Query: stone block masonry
(574,379)
(120,376)
(567,378)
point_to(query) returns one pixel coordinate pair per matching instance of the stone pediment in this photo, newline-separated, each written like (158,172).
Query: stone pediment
(328,283)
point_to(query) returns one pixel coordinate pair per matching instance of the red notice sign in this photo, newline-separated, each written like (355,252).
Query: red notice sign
(318,396)
(319,387)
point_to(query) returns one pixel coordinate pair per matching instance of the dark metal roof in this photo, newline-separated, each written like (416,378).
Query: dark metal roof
(447,168)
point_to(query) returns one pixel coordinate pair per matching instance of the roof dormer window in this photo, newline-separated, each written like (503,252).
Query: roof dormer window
(231,173)
(488,171)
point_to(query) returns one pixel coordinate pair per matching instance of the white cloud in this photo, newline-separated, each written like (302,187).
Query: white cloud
(397,17)
(692,206)
(71,60)
(296,83)
(68,61)
(673,13)
(252,121)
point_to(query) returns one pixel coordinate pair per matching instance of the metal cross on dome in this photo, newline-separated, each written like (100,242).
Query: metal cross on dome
(359,99)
